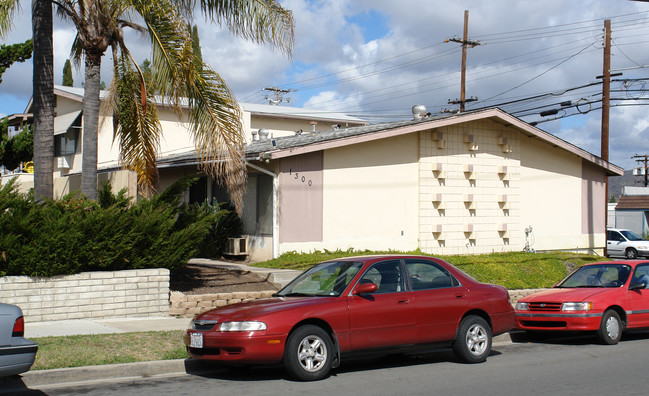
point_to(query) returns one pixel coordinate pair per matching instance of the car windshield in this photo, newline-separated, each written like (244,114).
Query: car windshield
(325,279)
(632,236)
(599,275)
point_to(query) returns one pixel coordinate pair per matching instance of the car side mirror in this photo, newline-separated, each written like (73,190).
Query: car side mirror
(366,288)
(637,286)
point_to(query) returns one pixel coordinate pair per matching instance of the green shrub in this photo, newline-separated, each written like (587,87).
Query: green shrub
(228,224)
(75,235)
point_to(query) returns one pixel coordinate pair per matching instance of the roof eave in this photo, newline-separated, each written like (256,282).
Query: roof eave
(493,113)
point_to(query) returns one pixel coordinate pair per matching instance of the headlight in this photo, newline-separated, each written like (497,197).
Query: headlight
(577,306)
(242,326)
(521,306)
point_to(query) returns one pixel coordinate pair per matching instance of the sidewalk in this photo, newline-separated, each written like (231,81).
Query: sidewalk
(103,326)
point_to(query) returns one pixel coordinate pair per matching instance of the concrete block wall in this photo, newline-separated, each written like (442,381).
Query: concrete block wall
(490,220)
(188,305)
(96,295)
(515,295)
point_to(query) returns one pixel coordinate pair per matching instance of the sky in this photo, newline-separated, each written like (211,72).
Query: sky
(375,59)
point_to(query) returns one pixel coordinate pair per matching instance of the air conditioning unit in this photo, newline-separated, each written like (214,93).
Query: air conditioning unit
(236,247)
(62,163)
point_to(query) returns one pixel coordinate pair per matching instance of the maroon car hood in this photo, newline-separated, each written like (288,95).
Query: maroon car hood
(259,308)
(561,295)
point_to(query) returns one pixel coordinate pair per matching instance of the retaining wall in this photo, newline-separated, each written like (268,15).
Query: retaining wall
(188,305)
(96,295)
(517,294)
(132,293)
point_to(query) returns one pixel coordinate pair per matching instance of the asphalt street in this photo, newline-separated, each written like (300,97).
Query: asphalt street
(557,366)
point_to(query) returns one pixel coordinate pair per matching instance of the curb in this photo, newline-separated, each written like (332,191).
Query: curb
(87,374)
(124,371)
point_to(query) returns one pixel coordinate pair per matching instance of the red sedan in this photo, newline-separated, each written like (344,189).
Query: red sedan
(359,304)
(607,298)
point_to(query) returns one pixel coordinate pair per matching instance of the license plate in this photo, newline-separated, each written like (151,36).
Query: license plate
(196,340)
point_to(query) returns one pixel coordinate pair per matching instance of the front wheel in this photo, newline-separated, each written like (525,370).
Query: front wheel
(610,330)
(473,341)
(309,353)
(631,254)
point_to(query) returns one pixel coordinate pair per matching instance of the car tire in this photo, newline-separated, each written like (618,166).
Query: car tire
(309,353)
(473,341)
(610,329)
(631,254)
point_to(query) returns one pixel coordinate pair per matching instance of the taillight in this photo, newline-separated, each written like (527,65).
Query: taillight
(19,327)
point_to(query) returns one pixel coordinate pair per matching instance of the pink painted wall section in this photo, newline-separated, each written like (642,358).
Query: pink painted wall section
(593,200)
(300,198)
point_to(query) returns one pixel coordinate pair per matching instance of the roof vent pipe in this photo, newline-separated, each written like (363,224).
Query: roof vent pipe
(313,124)
(263,134)
(254,135)
(418,112)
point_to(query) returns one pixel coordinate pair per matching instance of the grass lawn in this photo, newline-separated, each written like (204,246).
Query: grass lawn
(98,349)
(514,270)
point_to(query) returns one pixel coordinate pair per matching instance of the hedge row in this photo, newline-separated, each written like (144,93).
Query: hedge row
(75,235)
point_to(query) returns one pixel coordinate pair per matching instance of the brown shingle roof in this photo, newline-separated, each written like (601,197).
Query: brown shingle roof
(633,202)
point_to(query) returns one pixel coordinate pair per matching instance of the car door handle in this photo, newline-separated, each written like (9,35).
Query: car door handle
(460,295)
(403,301)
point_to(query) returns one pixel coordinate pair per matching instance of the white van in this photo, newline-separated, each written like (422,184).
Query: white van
(625,243)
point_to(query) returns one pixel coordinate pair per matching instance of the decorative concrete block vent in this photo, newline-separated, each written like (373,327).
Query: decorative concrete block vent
(96,295)
(189,305)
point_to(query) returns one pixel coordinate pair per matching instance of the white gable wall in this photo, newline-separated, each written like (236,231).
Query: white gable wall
(369,197)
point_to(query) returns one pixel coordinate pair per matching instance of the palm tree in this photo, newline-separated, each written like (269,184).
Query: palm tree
(43,90)
(43,99)
(211,107)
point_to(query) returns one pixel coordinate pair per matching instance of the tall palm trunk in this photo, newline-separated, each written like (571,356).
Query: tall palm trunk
(43,86)
(90,125)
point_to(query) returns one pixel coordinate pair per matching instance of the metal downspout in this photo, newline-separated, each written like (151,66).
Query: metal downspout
(275,206)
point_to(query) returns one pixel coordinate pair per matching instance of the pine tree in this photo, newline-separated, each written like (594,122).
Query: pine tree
(14,53)
(196,47)
(68,81)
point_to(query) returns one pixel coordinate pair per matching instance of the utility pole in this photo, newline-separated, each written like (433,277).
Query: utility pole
(645,159)
(279,98)
(606,97)
(465,41)
(606,88)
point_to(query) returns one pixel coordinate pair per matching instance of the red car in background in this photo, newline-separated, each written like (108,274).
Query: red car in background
(360,304)
(606,297)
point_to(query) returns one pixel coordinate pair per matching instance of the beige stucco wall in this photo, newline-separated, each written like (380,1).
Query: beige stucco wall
(24,181)
(369,197)
(65,105)
(552,198)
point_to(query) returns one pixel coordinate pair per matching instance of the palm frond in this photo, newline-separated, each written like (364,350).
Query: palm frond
(217,129)
(262,21)
(8,8)
(138,132)
(212,110)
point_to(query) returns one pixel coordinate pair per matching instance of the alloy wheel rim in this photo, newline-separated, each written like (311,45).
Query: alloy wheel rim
(612,328)
(476,339)
(312,353)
